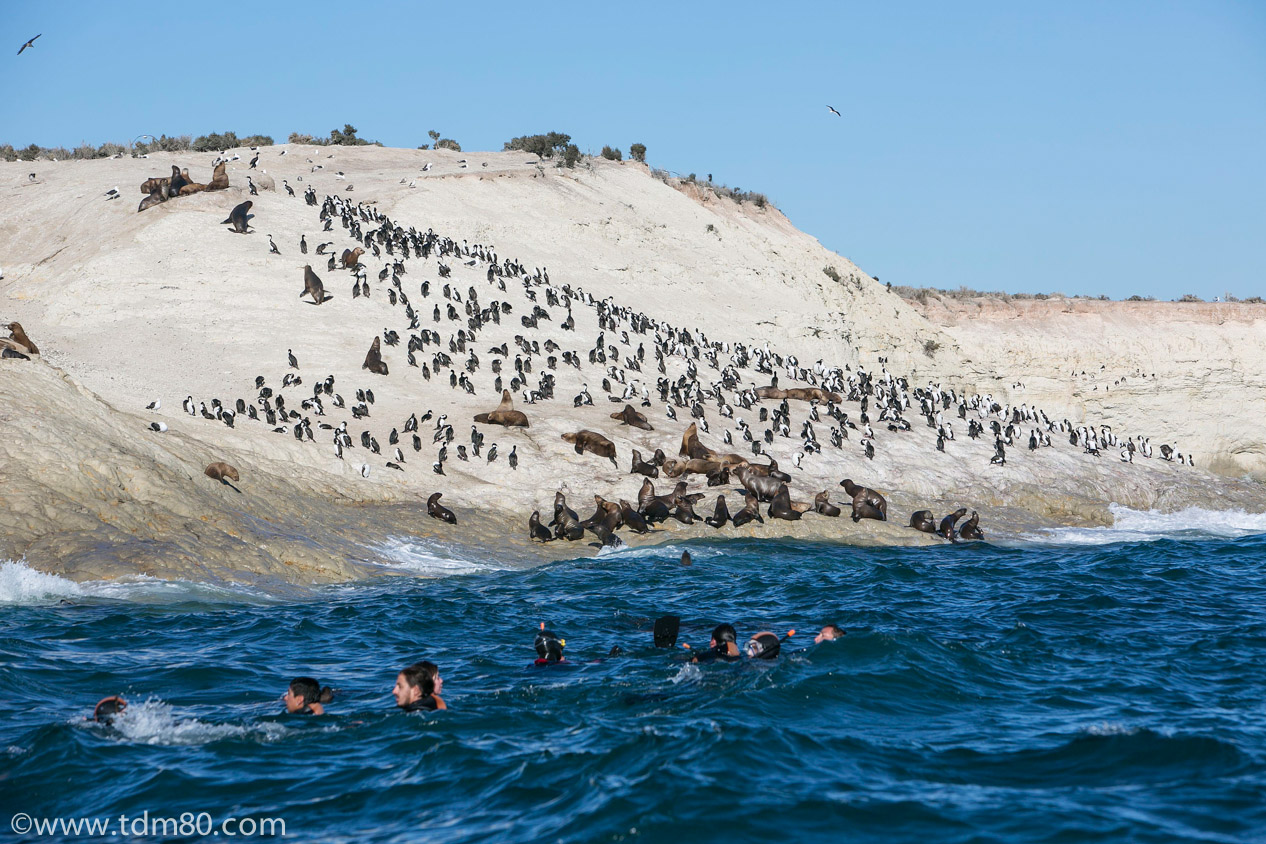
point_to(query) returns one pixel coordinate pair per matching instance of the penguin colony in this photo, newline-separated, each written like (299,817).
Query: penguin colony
(646,368)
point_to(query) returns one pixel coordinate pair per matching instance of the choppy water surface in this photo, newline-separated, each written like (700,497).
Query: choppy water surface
(1085,686)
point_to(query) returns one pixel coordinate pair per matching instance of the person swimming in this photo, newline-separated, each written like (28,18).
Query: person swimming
(828,633)
(763,645)
(549,648)
(722,645)
(418,688)
(108,708)
(305,696)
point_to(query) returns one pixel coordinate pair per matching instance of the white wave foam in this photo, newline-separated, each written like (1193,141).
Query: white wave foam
(21,584)
(434,559)
(153,722)
(671,551)
(688,673)
(1150,525)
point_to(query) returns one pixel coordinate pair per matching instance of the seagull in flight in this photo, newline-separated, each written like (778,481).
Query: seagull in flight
(30,43)
(833,111)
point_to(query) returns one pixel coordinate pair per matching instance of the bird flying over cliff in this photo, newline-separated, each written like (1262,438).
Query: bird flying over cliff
(833,111)
(30,43)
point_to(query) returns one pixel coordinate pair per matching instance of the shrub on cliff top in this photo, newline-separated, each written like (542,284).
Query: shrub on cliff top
(543,146)
(638,153)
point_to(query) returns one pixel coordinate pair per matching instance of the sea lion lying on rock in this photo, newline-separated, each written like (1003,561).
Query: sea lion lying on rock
(643,467)
(629,416)
(436,510)
(923,520)
(18,343)
(799,394)
(221,472)
(592,442)
(505,414)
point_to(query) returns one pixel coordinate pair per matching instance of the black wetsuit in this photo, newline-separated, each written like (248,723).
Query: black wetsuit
(425,704)
(717,654)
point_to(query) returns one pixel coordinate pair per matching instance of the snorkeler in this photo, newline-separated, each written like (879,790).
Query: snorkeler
(107,709)
(763,645)
(305,696)
(418,688)
(549,648)
(829,633)
(722,646)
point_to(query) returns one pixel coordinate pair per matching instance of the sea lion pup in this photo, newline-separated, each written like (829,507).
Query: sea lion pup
(719,477)
(536,530)
(313,287)
(221,472)
(971,528)
(642,467)
(505,414)
(17,336)
(373,360)
(351,257)
(436,510)
(632,519)
(750,511)
(629,416)
(823,505)
(592,442)
(720,515)
(658,457)
(923,520)
(947,524)
(873,501)
(763,486)
(155,197)
(239,217)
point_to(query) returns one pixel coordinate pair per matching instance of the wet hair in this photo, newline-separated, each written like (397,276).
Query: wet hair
(763,646)
(548,646)
(310,691)
(834,628)
(723,633)
(421,675)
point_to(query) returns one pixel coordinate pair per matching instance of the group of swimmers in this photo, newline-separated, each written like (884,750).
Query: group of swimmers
(418,686)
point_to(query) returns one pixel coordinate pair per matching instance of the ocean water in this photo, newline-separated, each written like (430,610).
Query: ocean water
(1079,686)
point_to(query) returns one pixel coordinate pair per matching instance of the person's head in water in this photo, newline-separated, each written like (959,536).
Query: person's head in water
(418,687)
(306,695)
(724,639)
(107,709)
(763,646)
(829,633)
(549,648)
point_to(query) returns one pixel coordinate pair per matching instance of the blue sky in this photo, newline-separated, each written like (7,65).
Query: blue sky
(1087,148)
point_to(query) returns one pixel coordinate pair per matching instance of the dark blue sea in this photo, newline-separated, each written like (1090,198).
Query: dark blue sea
(1071,686)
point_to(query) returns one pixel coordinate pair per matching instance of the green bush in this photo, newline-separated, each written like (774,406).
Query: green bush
(930,347)
(30,153)
(831,273)
(1190,297)
(448,143)
(638,153)
(542,146)
(571,155)
(612,154)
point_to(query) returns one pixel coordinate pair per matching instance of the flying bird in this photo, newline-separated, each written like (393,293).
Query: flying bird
(833,111)
(30,43)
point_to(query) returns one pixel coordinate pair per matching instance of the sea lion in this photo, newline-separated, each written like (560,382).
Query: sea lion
(18,340)
(239,218)
(632,519)
(592,442)
(770,471)
(642,467)
(601,513)
(971,529)
(631,417)
(750,511)
(693,466)
(605,529)
(313,287)
(720,515)
(219,177)
(436,510)
(536,530)
(685,511)
(155,183)
(566,523)
(873,501)
(799,394)
(763,486)
(782,507)
(947,524)
(155,197)
(373,359)
(192,188)
(351,257)
(690,445)
(923,520)
(505,414)
(823,505)
(657,508)
(221,472)
(719,477)
(179,178)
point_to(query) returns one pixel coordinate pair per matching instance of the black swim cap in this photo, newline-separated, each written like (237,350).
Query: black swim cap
(724,633)
(549,646)
(763,646)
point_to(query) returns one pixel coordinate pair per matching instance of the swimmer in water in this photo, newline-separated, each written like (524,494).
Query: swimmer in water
(829,633)
(549,648)
(305,696)
(108,709)
(764,645)
(418,688)
(722,646)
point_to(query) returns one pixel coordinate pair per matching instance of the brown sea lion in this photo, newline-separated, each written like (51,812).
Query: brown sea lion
(179,178)
(971,528)
(643,467)
(566,523)
(239,218)
(946,528)
(605,529)
(694,466)
(592,442)
(505,414)
(762,486)
(720,515)
(685,511)
(313,287)
(770,471)
(221,472)
(629,416)
(604,509)
(798,394)
(17,334)
(923,520)
(351,257)
(156,183)
(373,359)
(192,188)
(436,510)
(561,509)
(632,519)
(156,197)
(873,501)
(822,504)
(536,530)
(719,477)
(750,511)
(690,445)
(219,177)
